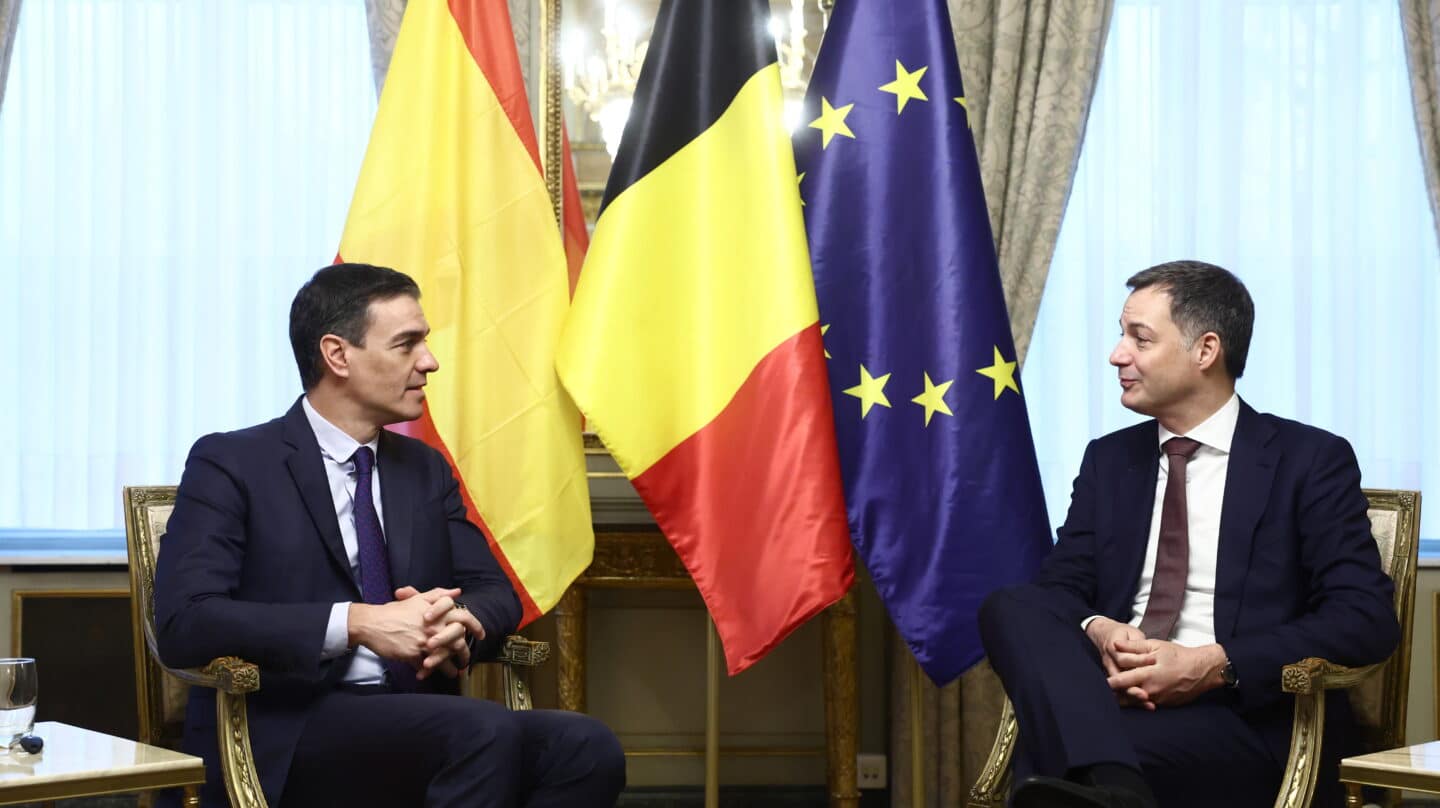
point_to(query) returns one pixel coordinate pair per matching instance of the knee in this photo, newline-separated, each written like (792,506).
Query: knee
(596,753)
(483,732)
(997,613)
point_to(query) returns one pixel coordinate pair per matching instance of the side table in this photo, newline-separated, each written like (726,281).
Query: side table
(1414,767)
(80,763)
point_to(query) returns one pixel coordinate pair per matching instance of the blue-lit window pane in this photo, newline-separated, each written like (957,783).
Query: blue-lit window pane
(170,172)
(1277,140)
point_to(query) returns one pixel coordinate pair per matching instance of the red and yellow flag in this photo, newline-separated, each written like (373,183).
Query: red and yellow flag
(451,193)
(693,345)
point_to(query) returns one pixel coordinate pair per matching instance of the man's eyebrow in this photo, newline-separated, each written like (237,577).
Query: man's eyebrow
(409,335)
(1135,325)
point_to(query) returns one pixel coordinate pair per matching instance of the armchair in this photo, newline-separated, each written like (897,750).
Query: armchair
(1378,693)
(161,692)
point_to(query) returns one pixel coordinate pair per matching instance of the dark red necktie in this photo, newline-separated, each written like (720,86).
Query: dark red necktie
(1172,557)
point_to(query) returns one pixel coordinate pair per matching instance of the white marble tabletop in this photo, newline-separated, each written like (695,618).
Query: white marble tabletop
(78,762)
(1415,767)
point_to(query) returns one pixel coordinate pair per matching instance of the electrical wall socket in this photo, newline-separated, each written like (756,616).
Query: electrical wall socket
(870,771)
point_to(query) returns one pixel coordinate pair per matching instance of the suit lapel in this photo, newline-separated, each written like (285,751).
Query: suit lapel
(308,471)
(398,496)
(1134,511)
(1248,476)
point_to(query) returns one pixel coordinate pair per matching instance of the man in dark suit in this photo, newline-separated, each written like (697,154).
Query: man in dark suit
(1203,550)
(338,557)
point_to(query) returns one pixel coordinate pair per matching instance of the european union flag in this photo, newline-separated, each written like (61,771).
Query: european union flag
(941,482)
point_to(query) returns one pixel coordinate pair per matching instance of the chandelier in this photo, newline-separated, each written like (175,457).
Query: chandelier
(602,83)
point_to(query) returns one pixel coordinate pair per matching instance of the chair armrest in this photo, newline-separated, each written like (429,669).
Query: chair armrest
(520,651)
(1316,675)
(229,674)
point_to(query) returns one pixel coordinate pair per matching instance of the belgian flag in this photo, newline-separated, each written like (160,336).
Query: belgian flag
(693,343)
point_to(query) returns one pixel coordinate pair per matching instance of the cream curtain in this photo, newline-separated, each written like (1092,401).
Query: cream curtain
(383,18)
(1420,20)
(9,24)
(1030,70)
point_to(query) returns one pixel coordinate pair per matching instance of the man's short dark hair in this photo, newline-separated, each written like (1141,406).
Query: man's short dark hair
(336,300)
(1204,297)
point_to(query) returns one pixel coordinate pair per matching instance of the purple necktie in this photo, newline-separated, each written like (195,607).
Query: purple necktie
(1172,556)
(375,582)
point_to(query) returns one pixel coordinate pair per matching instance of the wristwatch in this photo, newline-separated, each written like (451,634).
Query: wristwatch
(1227,675)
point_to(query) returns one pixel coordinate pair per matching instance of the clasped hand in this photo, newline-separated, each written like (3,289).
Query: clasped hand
(1148,673)
(425,629)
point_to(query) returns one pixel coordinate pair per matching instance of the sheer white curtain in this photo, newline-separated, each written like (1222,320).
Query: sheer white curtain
(1276,139)
(170,172)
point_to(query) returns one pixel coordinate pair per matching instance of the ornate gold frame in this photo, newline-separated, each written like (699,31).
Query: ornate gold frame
(17,597)
(552,111)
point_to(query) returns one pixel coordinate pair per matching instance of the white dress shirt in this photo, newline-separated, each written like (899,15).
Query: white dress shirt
(337,449)
(1204,498)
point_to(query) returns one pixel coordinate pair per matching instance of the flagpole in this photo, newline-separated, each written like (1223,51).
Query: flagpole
(712,714)
(917,736)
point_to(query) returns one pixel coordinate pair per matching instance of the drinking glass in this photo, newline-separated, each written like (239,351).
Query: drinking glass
(18,691)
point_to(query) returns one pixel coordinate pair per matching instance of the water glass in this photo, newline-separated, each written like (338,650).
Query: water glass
(18,691)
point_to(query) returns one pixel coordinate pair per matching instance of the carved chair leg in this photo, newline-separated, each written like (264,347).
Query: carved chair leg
(237,761)
(517,694)
(1353,798)
(1297,788)
(191,798)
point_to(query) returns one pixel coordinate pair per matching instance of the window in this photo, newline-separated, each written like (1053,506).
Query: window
(1277,140)
(170,172)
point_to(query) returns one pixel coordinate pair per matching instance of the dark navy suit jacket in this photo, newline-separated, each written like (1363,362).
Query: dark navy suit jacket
(1297,575)
(252,561)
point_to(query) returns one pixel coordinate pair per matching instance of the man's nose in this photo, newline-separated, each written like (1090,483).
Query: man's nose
(1119,357)
(428,363)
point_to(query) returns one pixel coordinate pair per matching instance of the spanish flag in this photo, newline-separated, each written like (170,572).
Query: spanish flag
(693,344)
(451,193)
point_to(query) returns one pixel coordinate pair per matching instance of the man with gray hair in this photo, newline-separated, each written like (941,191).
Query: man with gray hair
(1204,549)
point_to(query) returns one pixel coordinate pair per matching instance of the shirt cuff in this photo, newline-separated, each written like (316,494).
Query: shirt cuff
(1084,624)
(337,632)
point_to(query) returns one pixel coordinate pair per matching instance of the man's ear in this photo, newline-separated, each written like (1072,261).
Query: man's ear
(1208,351)
(333,354)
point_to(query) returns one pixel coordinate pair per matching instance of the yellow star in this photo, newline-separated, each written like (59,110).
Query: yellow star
(1002,373)
(832,122)
(823,329)
(870,391)
(905,86)
(799,179)
(933,399)
(966,107)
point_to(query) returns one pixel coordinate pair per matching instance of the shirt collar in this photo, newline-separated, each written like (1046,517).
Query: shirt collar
(1217,431)
(334,443)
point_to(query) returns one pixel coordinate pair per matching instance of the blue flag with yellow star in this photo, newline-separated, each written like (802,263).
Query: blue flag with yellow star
(941,483)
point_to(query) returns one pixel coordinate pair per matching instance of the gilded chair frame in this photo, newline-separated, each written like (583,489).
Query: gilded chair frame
(147,509)
(1392,510)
